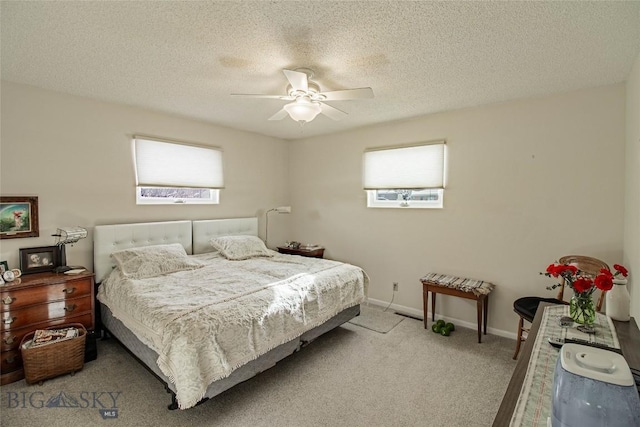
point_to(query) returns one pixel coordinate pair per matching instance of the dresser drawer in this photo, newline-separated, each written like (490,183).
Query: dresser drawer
(11,339)
(44,312)
(10,360)
(11,300)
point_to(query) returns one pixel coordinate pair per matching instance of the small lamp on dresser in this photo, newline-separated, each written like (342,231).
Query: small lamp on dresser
(67,236)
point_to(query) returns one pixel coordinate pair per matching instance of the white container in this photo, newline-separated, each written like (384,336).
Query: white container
(593,387)
(618,301)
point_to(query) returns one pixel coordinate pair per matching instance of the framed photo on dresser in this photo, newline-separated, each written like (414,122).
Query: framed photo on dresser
(40,259)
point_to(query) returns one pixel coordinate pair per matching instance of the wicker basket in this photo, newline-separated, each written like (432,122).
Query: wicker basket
(58,358)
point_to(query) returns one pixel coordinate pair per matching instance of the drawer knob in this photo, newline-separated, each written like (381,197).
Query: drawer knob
(69,291)
(10,359)
(9,320)
(9,340)
(8,300)
(70,307)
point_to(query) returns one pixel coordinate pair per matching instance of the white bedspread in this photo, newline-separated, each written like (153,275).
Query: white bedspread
(205,323)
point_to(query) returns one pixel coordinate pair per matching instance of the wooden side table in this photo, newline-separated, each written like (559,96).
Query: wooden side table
(435,287)
(317,252)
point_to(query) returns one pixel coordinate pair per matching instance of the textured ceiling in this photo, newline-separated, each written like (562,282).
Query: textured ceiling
(186,58)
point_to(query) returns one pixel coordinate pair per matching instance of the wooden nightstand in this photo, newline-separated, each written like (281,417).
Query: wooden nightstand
(313,253)
(39,301)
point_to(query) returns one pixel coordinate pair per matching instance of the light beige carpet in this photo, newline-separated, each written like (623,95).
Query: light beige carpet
(376,320)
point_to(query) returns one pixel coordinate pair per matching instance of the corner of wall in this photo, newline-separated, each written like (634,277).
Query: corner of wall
(632,190)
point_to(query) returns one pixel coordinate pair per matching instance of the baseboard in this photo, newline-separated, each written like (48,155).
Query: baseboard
(419,314)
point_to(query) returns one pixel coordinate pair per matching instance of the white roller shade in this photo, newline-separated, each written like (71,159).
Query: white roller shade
(414,167)
(166,164)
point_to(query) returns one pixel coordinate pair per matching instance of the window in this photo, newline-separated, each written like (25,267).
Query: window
(405,198)
(405,177)
(176,173)
(172,195)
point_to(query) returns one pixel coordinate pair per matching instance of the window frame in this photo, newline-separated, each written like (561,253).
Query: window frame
(385,185)
(373,202)
(162,183)
(213,199)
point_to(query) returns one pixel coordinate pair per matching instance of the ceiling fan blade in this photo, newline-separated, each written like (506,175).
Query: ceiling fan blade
(342,95)
(297,79)
(279,115)
(332,112)
(249,95)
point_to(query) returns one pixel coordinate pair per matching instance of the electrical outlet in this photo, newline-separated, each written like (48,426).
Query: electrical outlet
(395,286)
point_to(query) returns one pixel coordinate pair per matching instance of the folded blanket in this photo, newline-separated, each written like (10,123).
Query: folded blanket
(477,287)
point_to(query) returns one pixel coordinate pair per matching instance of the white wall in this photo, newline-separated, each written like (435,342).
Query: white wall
(75,155)
(529,181)
(632,189)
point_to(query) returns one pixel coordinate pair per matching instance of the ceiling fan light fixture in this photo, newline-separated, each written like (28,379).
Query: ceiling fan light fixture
(307,99)
(303,109)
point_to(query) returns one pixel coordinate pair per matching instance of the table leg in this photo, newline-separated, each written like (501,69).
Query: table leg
(433,306)
(486,312)
(425,304)
(479,310)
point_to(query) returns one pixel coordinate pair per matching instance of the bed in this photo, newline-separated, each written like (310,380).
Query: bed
(204,318)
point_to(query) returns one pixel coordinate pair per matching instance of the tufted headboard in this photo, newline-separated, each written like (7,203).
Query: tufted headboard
(193,235)
(204,230)
(111,238)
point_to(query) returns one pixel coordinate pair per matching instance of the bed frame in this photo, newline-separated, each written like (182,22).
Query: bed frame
(194,237)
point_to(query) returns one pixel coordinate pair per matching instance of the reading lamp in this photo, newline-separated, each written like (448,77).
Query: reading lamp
(67,236)
(280,210)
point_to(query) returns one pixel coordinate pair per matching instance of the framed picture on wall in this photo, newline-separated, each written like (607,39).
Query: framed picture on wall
(40,259)
(18,217)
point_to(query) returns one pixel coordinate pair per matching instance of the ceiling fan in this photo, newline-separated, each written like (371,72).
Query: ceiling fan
(308,99)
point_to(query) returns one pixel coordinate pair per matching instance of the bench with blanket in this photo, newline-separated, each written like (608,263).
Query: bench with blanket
(478,290)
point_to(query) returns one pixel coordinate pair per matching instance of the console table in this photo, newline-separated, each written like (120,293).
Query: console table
(628,337)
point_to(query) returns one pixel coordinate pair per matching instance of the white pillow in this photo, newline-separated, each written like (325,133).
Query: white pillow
(151,261)
(240,247)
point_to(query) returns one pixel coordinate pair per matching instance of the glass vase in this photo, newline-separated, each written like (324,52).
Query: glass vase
(582,308)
